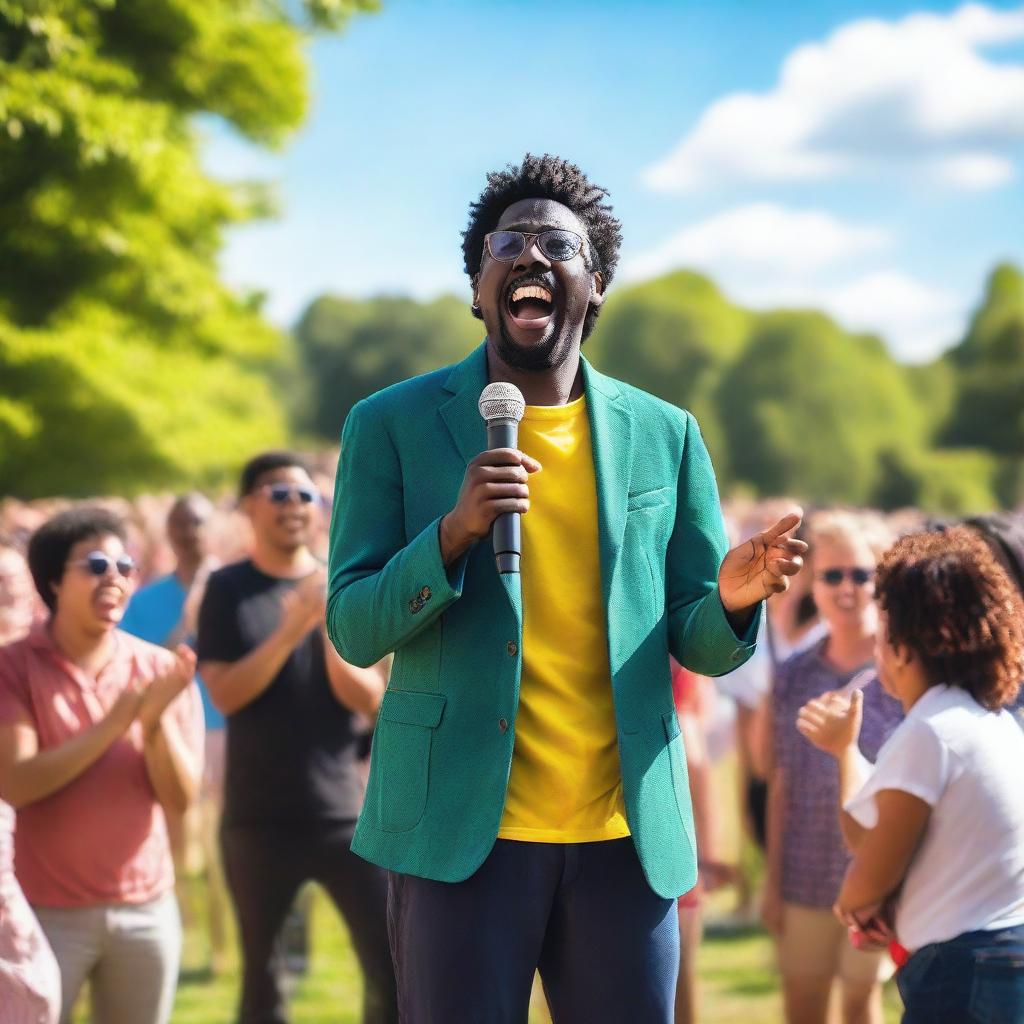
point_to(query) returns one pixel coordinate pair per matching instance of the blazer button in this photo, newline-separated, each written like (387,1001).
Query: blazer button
(512,647)
(503,724)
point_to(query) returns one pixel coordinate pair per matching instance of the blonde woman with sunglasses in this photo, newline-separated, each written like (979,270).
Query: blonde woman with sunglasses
(806,855)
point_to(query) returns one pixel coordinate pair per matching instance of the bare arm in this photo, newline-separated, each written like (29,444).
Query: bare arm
(234,684)
(885,851)
(358,689)
(832,723)
(174,771)
(852,775)
(28,774)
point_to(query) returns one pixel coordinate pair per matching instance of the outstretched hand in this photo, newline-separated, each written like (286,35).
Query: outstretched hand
(762,565)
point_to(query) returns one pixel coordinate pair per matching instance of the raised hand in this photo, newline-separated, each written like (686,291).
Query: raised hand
(125,709)
(762,565)
(832,721)
(305,605)
(161,691)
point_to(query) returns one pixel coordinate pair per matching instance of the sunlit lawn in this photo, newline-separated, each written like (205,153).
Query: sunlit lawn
(738,984)
(737,981)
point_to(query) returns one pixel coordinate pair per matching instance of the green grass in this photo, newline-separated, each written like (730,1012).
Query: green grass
(736,977)
(735,971)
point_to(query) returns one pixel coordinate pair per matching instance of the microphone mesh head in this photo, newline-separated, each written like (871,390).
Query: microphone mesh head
(501,401)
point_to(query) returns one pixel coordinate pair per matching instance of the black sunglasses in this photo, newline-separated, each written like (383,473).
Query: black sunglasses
(858,577)
(555,243)
(279,494)
(98,563)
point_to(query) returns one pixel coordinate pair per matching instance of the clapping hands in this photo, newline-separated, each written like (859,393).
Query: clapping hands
(305,606)
(158,695)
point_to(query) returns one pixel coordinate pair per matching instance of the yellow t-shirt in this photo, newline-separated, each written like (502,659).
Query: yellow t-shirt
(566,783)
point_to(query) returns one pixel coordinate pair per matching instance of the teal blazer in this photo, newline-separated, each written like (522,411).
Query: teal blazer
(442,748)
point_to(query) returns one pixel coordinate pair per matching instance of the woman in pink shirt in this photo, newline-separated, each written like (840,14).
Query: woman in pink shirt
(99,732)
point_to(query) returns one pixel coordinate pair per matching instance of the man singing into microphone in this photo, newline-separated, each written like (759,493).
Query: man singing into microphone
(528,784)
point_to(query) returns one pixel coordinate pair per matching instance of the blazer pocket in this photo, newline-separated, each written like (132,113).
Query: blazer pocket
(401,756)
(648,499)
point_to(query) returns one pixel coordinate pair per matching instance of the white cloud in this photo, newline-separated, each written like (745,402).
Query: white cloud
(918,319)
(767,256)
(875,95)
(762,237)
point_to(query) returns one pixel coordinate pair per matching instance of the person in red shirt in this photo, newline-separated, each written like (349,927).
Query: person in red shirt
(100,732)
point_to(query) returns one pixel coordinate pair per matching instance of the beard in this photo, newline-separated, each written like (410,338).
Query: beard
(550,353)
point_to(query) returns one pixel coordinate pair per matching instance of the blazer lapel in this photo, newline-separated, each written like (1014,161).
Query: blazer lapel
(468,431)
(611,432)
(460,413)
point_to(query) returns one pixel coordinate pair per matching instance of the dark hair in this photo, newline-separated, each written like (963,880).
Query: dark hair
(50,545)
(266,462)
(1004,533)
(955,607)
(546,177)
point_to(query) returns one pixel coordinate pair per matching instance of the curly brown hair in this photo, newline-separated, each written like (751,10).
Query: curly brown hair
(954,606)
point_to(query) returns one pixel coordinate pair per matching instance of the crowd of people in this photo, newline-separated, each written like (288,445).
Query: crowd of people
(168,692)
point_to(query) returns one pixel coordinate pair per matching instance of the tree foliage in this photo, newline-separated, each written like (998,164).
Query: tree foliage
(351,348)
(989,363)
(789,402)
(808,409)
(124,362)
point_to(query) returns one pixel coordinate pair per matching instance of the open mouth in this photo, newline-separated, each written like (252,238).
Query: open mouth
(530,305)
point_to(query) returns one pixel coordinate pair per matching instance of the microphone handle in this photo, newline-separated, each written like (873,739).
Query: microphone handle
(505,533)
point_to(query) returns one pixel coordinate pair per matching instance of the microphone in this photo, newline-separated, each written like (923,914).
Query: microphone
(502,405)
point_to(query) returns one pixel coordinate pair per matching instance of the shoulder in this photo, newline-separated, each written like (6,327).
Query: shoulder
(229,576)
(400,398)
(653,410)
(915,741)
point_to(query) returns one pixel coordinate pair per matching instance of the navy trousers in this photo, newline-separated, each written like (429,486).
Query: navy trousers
(606,946)
(976,978)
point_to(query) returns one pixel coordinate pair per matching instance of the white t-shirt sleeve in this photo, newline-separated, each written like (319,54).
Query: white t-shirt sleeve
(914,760)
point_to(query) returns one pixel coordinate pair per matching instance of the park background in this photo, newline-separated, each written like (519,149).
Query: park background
(223,223)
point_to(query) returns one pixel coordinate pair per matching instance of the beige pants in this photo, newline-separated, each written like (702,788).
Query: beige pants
(129,954)
(814,943)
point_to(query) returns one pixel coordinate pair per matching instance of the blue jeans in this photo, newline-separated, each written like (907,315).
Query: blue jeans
(606,945)
(976,978)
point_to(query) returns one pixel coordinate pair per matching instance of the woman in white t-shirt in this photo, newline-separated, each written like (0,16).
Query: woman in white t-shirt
(937,827)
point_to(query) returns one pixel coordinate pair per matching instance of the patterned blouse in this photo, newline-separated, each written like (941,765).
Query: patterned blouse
(29,977)
(814,857)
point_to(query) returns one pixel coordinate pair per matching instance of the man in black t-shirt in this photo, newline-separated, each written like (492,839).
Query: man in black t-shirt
(292,786)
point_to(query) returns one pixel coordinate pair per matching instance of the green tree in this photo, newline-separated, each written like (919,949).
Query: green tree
(350,348)
(124,362)
(989,364)
(809,410)
(958,481)
(674,337)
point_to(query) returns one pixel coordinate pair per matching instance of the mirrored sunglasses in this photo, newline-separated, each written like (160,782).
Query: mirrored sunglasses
(858,577)
(555,243)
(279,494)
(98,563)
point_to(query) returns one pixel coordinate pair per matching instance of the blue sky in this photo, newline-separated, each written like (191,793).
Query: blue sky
(863,158)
